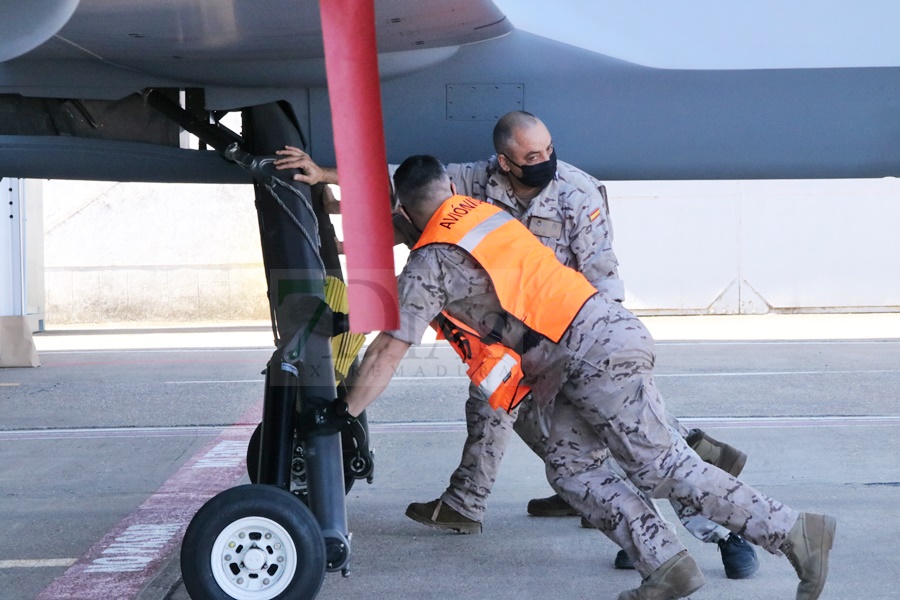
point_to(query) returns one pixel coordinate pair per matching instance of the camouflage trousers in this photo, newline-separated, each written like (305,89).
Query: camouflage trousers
(486,441)
(610,400)
(610,405)
(488,436)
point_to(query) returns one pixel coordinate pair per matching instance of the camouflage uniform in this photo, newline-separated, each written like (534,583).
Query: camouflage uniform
(583,242)
(595,390)
(571,199)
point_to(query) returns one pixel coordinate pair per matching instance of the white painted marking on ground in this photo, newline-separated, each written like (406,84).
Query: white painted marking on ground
(775,342)
(37,563)
(717,422)
(225,455)
(205,381)
(769,373)
(403,378)
(706,374)
(232,454)
(121,432)
(158,350)
(134,549)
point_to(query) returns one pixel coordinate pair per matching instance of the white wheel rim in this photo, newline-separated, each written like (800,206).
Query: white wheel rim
(254,558)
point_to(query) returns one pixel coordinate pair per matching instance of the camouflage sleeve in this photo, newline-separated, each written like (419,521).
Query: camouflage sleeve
(421,296)
(592,239)
(469,178)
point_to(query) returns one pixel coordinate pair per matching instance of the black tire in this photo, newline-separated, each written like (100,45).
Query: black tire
(253,542)
(298,467)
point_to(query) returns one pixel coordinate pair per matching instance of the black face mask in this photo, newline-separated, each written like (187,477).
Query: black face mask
(538,175)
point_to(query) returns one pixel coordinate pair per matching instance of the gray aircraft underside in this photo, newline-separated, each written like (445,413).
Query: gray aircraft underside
(73,72)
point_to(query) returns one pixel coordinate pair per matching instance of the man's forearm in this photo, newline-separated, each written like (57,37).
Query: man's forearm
(375,372)
(329,175)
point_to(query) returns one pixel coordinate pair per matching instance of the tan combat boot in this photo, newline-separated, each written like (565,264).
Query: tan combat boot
(439,515)
(678,577)
(807,546)
(712,451)
(554,506)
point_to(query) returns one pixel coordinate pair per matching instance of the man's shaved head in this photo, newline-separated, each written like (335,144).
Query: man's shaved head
(506,127)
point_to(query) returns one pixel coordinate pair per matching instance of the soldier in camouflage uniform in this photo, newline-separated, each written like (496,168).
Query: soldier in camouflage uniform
(595,390)
(570,215)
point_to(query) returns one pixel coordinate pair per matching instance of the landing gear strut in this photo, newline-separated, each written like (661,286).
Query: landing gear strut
(260,541)
(358,457)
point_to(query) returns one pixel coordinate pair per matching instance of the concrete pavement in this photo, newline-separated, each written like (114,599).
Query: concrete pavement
(813,399)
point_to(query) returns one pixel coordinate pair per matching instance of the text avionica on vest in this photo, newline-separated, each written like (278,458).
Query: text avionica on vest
(459,210)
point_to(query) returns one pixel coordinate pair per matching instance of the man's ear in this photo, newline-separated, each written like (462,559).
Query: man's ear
(404,230)
(503,162)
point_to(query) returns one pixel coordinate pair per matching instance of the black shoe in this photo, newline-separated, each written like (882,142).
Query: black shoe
(623,561)
(738,557)
(554,506)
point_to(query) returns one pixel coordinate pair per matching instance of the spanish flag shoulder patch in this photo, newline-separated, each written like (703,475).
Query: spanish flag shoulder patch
(594,214)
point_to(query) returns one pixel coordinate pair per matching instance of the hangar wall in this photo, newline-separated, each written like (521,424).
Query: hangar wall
(149,252)
(751,247)
(138,252)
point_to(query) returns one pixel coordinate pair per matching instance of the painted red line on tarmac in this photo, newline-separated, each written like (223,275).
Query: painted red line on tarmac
(121,564)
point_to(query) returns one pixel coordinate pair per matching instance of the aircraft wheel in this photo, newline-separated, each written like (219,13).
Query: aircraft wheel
(298,466)
(253,542)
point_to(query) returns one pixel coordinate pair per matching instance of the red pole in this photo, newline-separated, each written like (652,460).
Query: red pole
(351,64)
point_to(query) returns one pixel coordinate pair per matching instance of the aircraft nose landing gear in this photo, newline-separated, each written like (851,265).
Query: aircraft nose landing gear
(260,541)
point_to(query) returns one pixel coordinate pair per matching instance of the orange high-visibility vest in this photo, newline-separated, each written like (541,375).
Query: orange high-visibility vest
(531,284)
(495,370)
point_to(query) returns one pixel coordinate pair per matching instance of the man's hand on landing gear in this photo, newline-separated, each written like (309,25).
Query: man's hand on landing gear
(325,420)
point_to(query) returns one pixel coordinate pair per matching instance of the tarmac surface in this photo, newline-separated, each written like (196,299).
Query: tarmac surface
(111,446)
